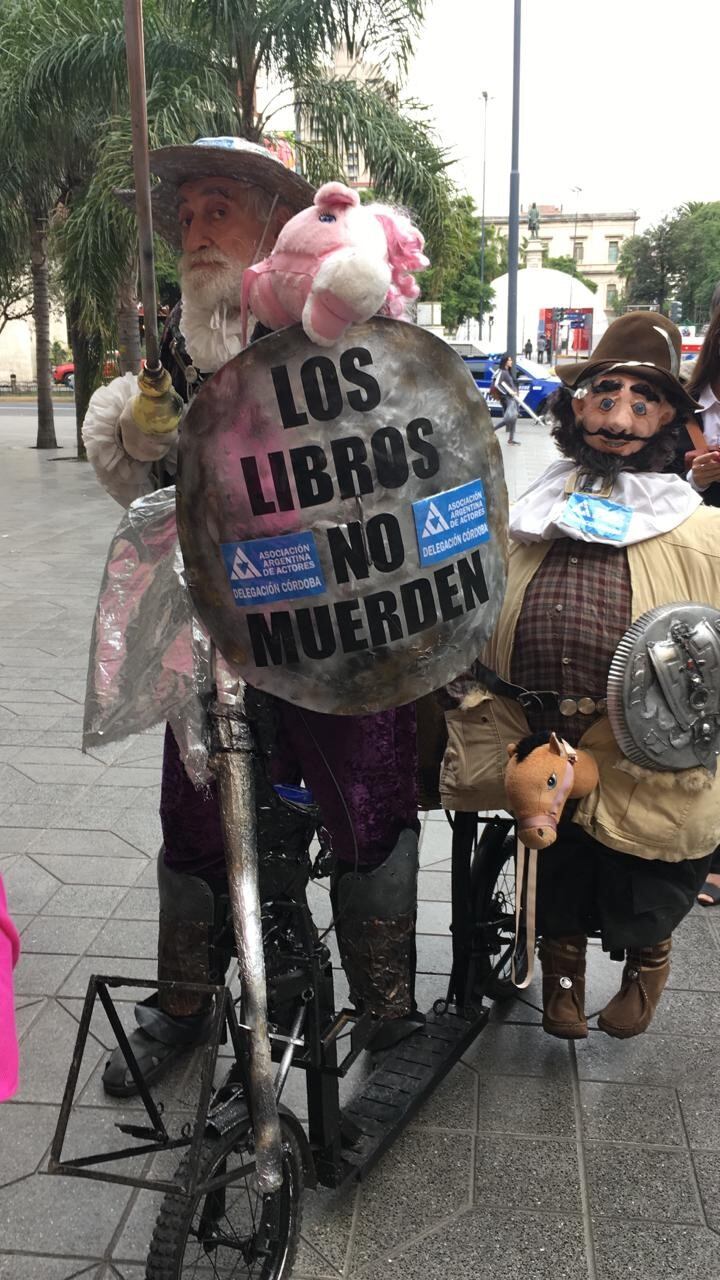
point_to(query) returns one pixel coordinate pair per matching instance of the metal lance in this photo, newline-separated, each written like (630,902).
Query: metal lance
(232,763)
(232,745)
(135,48)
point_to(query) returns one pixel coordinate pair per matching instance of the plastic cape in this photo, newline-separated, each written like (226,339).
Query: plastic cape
(149,655)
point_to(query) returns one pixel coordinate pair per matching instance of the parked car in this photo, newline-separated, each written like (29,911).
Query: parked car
(535,381)
(64,374)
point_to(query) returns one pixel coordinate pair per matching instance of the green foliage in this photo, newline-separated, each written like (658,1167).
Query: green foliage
(405,163)
(646,266)
(456,280)
(569,266)
(695,247)
(58,353)
(677,259)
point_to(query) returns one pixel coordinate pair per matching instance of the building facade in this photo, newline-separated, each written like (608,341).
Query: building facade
(17,347)
(594,240)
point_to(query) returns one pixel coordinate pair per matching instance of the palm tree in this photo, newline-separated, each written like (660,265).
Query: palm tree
(203,62)
(291,42)
(65,135)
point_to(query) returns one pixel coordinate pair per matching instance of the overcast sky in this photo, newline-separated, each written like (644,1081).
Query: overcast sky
(618,97)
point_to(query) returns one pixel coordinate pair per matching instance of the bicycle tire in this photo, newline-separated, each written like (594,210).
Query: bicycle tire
(275,1236)
(493,894)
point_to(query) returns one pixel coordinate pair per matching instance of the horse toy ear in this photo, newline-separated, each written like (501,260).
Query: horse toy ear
(561,748)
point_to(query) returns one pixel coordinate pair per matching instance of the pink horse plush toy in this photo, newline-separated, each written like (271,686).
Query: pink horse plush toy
(335,264)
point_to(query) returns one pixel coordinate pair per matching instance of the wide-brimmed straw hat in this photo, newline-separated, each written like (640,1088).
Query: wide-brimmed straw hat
(227,157)
(642,342)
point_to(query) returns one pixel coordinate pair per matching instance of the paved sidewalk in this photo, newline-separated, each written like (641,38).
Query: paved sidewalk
(535,1159)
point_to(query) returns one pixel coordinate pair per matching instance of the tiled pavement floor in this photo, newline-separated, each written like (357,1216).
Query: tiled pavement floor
(535,1159)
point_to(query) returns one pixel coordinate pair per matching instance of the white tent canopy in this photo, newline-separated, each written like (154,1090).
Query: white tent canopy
(538,288)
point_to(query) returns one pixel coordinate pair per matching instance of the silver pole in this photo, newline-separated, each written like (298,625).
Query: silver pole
(482,223)
(135,48)
(514,211)
(577,191)
(232,751)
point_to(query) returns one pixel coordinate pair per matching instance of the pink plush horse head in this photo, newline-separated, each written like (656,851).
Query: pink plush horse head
(335,264)
(543,773)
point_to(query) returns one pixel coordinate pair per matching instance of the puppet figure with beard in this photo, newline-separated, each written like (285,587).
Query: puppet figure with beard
(600,538)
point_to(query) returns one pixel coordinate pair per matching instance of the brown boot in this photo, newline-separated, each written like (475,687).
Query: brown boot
(630,1012)
(563,967)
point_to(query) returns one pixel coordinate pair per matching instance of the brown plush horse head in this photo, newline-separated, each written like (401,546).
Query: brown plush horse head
(543,772)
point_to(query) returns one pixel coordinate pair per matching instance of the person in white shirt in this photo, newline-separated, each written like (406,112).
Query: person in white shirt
(704,476)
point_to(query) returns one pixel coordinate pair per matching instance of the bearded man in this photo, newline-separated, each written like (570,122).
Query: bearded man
(223,201)
(598,540)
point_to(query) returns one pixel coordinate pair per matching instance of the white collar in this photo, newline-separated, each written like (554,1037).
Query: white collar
(657,502)
(211,337)
(707,398)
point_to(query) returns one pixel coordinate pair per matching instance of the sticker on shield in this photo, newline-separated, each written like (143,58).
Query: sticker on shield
(451,522)
(265,570)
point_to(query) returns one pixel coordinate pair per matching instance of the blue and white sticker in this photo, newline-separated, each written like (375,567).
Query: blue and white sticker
(270,569)
(451,522)
(598,518)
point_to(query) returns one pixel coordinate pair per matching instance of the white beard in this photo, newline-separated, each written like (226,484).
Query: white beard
(213,286)
(210,318)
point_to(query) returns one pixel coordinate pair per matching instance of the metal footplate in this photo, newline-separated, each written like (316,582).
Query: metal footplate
(407,1075)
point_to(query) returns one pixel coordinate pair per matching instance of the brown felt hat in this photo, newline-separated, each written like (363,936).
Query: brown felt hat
(640,341)
(228,157)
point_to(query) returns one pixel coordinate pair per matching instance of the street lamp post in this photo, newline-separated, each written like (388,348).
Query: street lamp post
(578,192)
(514,210)
(482,220)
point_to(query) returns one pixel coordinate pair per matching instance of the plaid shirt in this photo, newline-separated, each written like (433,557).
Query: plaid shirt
(575,612)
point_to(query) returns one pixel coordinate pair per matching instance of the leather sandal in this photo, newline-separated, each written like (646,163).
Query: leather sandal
(711,891)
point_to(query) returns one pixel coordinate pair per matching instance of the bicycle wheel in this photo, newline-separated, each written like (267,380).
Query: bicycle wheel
(493,893)
(233,1232)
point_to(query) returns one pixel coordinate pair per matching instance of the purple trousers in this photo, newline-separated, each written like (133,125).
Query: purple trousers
(361,770)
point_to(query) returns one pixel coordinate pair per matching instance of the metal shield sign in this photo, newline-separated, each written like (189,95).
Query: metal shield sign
(342,514)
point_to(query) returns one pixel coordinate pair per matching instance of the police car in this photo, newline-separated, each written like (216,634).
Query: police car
(535,381)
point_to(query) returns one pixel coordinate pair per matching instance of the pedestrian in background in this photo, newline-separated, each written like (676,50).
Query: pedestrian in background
(506,387)
(527,349)
(703,472)
(541,345)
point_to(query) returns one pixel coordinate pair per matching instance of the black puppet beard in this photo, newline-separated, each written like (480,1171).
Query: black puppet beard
(654,456)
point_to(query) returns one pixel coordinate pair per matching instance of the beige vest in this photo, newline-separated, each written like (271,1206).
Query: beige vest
(667,816)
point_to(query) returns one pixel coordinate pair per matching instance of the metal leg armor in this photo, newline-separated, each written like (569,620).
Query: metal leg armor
(375,925)
(190,949)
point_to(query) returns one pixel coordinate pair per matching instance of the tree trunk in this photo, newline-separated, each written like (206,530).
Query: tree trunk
(88,357)
(46,438)
(128,325)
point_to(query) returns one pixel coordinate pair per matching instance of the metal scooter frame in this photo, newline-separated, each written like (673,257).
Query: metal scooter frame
(324,1042)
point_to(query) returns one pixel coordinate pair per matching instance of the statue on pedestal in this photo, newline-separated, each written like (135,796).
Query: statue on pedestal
(533,219)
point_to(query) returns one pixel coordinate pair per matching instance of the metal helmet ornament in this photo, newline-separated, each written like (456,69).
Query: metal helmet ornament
(342,514)
(663,692)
